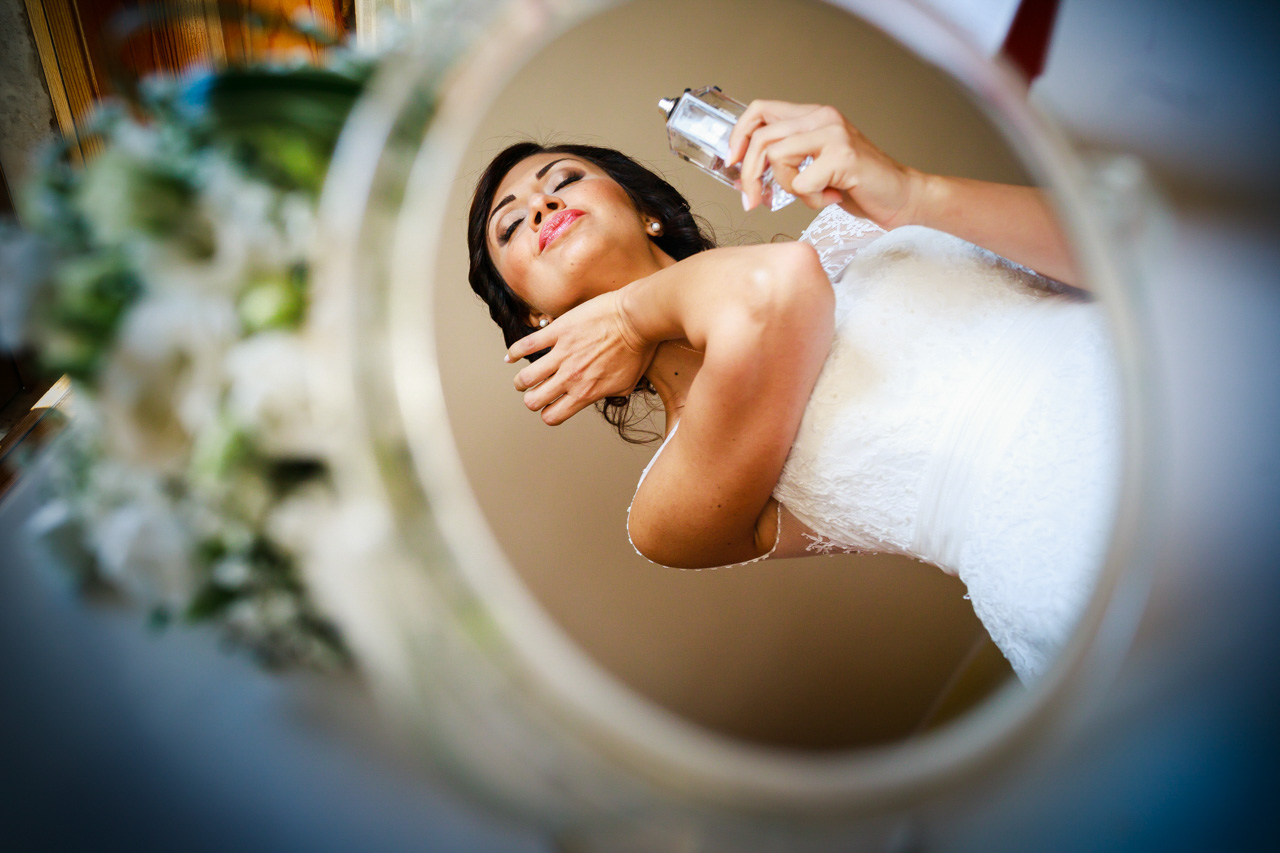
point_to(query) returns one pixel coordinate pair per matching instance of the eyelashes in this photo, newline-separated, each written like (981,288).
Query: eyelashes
(511,229)
(568,179)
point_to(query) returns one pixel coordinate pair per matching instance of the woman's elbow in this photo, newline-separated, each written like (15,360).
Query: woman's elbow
(787,301)
(803,292)
(803,258)
(789,277)
(658,552)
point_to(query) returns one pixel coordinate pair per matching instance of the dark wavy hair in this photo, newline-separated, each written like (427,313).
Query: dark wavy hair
(683,235)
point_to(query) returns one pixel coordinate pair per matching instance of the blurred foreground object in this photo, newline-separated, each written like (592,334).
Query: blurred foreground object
(168,278)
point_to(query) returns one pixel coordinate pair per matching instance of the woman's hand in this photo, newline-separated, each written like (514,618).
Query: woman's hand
(595,353)
(846,169)
(1017,222)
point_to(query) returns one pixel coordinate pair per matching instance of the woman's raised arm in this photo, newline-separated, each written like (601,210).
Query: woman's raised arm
(696,297)
(1013,221)
(764,346)
(763,316)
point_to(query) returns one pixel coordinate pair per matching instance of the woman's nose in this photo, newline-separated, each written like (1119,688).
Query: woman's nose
(541,206)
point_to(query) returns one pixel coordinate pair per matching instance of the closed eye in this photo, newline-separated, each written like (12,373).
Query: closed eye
(511,229)
(568,179)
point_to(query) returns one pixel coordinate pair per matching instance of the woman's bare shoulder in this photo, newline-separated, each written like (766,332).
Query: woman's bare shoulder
(704,496)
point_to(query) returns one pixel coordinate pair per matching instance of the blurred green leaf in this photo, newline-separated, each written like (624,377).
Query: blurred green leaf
(90,295)
(210,601)
(274,302)
(281,124)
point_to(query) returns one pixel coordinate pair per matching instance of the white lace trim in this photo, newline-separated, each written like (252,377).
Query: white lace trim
(838,235)
(822,545)
(776,538)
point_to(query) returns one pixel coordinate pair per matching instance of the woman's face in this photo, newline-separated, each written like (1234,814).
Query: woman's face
(561,231)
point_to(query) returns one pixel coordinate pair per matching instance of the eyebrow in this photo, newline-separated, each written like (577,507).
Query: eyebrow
(541,172)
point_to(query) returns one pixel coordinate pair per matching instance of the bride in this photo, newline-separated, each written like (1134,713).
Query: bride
(916,375)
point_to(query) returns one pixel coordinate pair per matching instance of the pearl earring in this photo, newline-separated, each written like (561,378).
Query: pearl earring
(655,227)
(542,322)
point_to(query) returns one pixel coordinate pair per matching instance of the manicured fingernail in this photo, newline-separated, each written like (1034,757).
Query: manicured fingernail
(507,358)
(746,203)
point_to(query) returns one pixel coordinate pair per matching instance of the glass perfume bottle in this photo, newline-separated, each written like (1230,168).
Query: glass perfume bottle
(698,126)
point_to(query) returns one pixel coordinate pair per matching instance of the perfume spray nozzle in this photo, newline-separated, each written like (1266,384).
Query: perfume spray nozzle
(666,105)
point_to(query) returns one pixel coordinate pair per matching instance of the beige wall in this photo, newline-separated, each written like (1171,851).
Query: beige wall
(820,652)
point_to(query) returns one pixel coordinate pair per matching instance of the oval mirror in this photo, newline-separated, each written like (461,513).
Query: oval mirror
(489,586)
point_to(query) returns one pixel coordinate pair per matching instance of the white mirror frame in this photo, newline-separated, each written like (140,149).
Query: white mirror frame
(448,633)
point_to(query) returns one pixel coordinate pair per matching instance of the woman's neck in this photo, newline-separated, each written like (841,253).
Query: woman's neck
(672,370)
(675,363)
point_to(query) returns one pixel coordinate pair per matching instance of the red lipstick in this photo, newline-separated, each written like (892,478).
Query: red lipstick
(555,224)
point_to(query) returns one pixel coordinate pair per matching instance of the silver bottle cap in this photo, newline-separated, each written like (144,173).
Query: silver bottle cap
(666,105)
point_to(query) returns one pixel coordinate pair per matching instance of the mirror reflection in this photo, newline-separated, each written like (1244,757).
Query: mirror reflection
(901,372)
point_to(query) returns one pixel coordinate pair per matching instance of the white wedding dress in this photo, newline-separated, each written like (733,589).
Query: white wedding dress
(967,415)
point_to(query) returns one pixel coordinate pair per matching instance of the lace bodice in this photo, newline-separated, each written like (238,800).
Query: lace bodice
(838,236)
(965,416)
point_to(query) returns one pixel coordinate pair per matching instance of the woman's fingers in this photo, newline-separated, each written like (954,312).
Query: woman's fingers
(537,379)
(556,403)
(760,150)
(553,388)
(787,176)
(760,113)
(591,355)
(541,396)
(827,156)
(828,177)
(562,409)
(532,374)
(544,395)
(531,343)
(754,161)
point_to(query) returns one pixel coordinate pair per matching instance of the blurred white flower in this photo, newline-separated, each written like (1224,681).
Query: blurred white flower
(268,229)
(268,393)
(165,378)
(210,522)
(168,267)
(268,613)
(129,193)
(297,522)
(236,213)
(297,226)
(231,572)
(248,495)
(180,280)
(137,140)
(144,547)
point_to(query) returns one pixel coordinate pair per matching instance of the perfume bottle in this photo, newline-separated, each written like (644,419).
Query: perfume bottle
(698,126)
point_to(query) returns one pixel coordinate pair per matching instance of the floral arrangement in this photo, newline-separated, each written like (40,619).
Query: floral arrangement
(169,279)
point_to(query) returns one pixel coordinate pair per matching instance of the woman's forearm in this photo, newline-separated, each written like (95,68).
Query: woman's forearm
(691,298)
(1013,221)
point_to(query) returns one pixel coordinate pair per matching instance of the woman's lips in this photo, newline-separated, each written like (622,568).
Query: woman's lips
(556,223)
